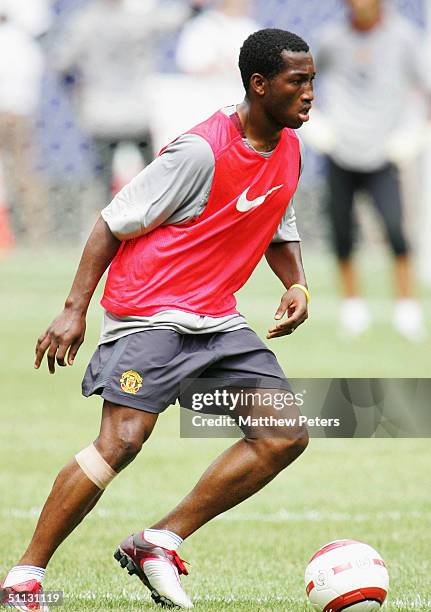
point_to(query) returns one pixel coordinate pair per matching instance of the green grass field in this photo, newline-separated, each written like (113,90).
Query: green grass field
(253,557)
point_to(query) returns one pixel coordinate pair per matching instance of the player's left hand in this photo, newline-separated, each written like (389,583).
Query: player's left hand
(294,303)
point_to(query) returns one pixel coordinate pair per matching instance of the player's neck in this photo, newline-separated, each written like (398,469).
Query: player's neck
(261,133)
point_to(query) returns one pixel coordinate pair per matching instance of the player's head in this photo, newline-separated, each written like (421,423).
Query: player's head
(234,7)
(365,13)
(277,71)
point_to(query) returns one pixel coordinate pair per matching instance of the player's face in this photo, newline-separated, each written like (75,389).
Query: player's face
(289,95)
(364,9)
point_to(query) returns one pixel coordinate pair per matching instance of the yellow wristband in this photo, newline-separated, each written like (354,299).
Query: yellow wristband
(304,289)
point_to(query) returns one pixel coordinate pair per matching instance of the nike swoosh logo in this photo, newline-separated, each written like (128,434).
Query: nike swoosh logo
(243,204)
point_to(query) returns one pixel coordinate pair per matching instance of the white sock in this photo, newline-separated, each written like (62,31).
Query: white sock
(22,573)
(164,538)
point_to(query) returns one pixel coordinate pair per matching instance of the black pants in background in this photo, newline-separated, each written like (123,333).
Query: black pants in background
(383,187)
(105,148)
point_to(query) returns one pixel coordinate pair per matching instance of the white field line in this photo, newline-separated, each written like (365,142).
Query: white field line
(316,516)
(280,516)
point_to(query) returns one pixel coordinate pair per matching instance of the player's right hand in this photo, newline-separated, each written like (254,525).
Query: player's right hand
(64,335)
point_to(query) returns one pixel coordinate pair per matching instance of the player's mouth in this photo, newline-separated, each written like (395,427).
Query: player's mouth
(304,114)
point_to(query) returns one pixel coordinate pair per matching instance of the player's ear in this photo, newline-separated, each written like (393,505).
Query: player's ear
(258,84)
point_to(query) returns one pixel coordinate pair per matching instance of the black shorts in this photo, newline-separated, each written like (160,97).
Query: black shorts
(145,369)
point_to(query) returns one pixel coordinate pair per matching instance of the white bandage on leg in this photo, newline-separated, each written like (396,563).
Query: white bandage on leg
(95,467)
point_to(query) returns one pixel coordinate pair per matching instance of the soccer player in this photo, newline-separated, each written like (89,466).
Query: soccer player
(180,240)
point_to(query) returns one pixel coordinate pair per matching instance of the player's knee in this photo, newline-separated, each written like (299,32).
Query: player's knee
(127,448)
(297,443)
(342,241)
(281,451)
(121,448)
(301,441)
(398,243)
(121,437)
(343,250)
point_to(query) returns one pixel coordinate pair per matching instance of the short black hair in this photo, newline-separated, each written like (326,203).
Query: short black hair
(261,52)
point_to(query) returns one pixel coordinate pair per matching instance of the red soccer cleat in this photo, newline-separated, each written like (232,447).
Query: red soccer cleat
(158,568)
(23,596)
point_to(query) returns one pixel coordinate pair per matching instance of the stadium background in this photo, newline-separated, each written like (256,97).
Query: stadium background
(374,490)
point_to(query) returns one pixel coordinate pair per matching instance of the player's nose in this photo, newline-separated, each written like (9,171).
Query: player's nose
(308,93)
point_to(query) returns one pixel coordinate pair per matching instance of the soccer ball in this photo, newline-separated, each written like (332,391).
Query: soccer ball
(346,575)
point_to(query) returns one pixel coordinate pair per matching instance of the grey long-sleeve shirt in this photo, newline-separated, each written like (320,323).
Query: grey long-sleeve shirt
(367,78)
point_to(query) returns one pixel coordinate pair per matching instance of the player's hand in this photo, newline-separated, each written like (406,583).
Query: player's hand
(64,336)
(294,303)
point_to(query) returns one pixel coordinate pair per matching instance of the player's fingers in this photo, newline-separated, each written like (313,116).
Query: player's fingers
(51,356)
(61,353)
(278,333)
(288,325)
(294,321)
(40,339)
(282,330)
(281,310)
(73,350)
(42,344)
(297,314)
(291,321)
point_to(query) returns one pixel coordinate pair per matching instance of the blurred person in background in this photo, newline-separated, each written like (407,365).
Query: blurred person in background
(33,17)
(206,54)
(109,66)
(369,64)
(209,44)
(21,71)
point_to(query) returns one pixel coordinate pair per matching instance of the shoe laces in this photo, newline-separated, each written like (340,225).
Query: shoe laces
(179,563)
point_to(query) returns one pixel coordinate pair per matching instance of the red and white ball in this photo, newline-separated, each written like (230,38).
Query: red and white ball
(346,574)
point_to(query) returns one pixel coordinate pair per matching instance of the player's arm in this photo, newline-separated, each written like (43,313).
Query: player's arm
(284,257)
(66,333)
(172,189)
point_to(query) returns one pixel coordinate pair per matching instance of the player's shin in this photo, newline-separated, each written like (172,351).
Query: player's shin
(76,490)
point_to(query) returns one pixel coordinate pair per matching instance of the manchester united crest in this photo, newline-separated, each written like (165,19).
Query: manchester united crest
(130,381)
